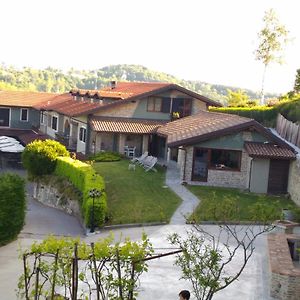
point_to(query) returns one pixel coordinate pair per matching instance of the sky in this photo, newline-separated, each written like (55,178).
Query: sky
(211,41)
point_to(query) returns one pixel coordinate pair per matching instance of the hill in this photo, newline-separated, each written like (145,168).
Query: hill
(55,80)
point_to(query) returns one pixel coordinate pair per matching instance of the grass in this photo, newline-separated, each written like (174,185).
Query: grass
(136,196)
(214,197)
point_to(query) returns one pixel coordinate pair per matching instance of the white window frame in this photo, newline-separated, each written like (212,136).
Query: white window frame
(42,118)
(21,110)
(82,138)
(56,123)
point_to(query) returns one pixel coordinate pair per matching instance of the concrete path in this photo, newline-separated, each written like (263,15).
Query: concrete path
(189,200)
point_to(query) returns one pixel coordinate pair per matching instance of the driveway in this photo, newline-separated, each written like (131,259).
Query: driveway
(161,281)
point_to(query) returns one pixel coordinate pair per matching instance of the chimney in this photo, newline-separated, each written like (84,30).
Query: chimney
(113,84)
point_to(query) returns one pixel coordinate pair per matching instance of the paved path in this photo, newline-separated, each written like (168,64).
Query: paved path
(189,200)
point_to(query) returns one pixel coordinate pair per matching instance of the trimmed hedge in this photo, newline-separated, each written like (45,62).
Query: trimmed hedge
(262,114)
(84,178)
(39,157)
(288,106)
(12,207)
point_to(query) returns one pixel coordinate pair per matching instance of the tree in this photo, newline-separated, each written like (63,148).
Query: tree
(237,98)
(272,39)
(206,259)
(297,82)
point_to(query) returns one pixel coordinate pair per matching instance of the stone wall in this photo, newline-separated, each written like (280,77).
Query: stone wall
(124,111)
(294,180)
(50,196)
(235,179)
(285,277)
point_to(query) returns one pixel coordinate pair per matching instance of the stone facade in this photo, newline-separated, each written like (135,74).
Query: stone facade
(285,277)
(235,179)
(294,181)
(197,106)
(123,111)
(50,196)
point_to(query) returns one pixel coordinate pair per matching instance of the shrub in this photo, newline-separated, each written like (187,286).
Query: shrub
(12,203)
(262,114)
(39,157)
(84,178)
(106,156)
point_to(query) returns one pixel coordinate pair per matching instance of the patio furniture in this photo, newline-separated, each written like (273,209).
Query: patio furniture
(129,151)
(131,166)
(139,160)
(149,163)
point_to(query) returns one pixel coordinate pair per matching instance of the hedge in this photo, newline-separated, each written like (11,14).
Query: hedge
(39,157)
(12,207)
(263,114)
(84,178)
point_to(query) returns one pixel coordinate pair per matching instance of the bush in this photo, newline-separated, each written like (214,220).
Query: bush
(106,156)
(84,178)
(12,203)
(262,114)
(39,157)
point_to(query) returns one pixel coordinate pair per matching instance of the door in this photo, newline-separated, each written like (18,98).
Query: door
(4,117)
(278,176)
(200,165)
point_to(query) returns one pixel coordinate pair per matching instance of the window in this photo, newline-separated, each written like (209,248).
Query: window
(24,114)
(181,107)
(82,134)
(43,118)
(221,159)
(54,123)
(154,104)
(216,159)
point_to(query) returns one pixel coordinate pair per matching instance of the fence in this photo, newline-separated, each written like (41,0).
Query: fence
(288,130)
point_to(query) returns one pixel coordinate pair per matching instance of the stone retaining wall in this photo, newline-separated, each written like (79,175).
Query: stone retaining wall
(285,277)
(50,196)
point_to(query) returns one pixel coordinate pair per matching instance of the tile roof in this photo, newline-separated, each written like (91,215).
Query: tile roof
(24,99)
(124,125)
(202,125)
(132,90)
(66,105)
(26,136)
(268,150)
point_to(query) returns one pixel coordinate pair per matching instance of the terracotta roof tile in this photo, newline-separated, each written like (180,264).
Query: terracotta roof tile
(130,90)
(124,125)
(268,150)
(25,99)
(66,105)
(201,124)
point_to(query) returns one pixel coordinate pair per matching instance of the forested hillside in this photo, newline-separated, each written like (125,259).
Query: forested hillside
(55,80)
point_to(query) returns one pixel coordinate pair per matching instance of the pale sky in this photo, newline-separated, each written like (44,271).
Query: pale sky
(207,40)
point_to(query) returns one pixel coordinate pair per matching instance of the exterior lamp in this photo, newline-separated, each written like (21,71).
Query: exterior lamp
(94,193)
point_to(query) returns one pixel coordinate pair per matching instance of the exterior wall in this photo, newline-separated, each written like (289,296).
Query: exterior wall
(198,106)
(259,175)
(124,111)
(285,278)
(49,130)
(142,113)
(235,179)
(15,118)
(294,180)
(145,143)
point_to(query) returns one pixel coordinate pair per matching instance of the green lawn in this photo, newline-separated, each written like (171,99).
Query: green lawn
(136,196)
(213,198)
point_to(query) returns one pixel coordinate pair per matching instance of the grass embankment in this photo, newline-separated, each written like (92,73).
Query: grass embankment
(246,204)
(136,196)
